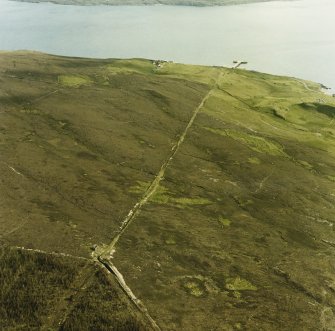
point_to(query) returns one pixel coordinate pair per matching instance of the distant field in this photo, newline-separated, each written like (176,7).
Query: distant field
(211,188)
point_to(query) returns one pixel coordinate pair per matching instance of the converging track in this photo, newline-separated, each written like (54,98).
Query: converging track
(107,252)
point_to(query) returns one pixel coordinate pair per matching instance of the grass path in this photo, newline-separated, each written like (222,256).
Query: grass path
(305,85)
(106,253)
(111,268)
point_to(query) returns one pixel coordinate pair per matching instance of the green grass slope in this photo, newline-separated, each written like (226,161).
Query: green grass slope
(75,136)
(238,234)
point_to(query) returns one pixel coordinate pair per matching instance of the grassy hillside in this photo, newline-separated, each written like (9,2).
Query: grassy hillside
(211,188)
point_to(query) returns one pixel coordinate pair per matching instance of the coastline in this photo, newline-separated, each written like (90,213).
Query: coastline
(319,86)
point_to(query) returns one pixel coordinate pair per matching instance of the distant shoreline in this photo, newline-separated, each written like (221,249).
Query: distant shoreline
(193,3)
